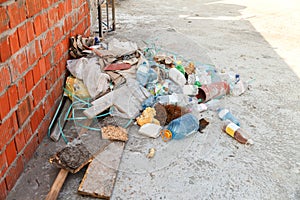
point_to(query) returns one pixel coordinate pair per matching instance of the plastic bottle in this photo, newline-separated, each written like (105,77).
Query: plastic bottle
(142,73)
(213,104)
(181,127)
(225,114)
(176,76)
(239,88)
(236,132)
(180,67)
(178,99)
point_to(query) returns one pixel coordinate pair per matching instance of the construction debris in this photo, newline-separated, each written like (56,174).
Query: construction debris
(114,133)
(100,176)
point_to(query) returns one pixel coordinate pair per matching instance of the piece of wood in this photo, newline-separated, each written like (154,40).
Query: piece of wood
(101,174)
(62,175)
(58,183)
(55,133)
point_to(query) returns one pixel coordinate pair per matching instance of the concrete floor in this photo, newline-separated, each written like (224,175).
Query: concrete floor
(257,39)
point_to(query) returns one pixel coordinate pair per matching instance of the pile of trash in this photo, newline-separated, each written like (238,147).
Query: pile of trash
(163,93)
(159,91)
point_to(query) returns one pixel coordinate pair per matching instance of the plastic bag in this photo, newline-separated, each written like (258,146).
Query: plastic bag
(75,87)
(77,66)
(95,81)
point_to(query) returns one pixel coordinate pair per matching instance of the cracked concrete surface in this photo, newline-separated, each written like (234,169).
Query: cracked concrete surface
(259,40)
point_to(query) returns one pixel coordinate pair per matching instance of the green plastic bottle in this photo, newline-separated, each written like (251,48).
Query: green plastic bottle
(180,67)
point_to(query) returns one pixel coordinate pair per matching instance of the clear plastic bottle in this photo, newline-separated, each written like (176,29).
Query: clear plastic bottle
(225,114)
(237,133)
(213,104)
(181,127)
(142,73)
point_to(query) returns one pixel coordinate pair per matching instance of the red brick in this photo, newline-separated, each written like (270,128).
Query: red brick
(16,13)
(61,9)
(22,34)
(24,111)
(3,164)
(18,65)
(4,77)
(3,190)
(68,6)
(13,95)
(37,118)
(50,79)
(53,16)
(38,5)
(4,102)
(27,132)
(57,33)
(58,88)
(42,66)
(14,173)
(44,21)
(36,73)
(14,42)
(7,129)
(39,92)
(20,141)
(57,53)
(49,102)
(68,23)
(14,122)
(37,25)
(33,52)
(5,52)
(21,88)
(46,41)
(30,30)
(43,128)
(4,19)
(29,80)
(11,152)
(45,4)
(31,7)
(30,149)
(48,61)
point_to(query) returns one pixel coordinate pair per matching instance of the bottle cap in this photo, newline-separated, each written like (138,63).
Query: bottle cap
(166,135)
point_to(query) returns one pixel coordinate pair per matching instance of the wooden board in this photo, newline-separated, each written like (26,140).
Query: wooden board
(62,175)
(58,183)
(101,174)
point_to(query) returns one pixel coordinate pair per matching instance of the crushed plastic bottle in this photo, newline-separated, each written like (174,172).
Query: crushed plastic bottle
(181,127)
(236,132)
(225,114)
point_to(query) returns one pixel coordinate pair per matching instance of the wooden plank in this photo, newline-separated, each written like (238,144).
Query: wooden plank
(58,183)
(55,133)
(101,174)
(62,175)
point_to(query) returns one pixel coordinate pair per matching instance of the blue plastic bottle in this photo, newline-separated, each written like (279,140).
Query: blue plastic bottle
(180,127)
(225,114)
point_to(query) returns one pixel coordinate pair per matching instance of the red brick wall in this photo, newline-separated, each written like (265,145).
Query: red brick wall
(34,41)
